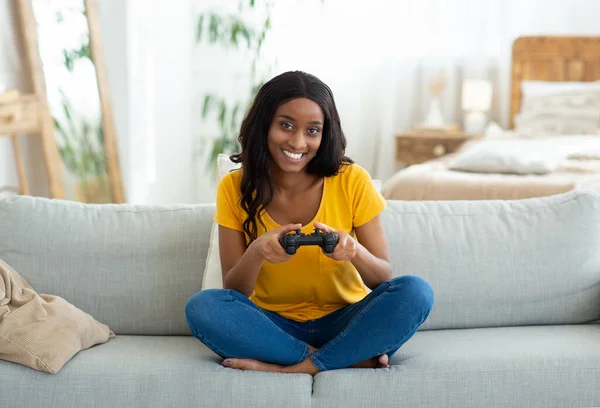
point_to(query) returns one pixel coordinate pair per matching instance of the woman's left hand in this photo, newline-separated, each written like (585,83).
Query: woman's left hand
(346,248)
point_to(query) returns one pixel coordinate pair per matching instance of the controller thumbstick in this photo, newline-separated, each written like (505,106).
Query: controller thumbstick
(298,232)
(317,230)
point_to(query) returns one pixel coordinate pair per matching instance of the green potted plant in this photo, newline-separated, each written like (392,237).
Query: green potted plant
(231,31)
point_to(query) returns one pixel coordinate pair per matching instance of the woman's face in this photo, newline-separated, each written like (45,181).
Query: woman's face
(295,134)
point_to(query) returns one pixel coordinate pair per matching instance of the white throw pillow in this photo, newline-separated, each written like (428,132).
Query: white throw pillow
(213,277)
(508,156)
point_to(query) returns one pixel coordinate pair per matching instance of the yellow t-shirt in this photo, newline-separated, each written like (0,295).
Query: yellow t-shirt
(309,285)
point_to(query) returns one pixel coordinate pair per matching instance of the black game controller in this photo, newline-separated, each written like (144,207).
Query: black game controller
(326,240)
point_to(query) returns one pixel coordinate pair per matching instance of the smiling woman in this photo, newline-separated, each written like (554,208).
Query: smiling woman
(309,311)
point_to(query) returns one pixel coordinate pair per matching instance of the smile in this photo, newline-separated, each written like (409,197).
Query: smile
(293,156)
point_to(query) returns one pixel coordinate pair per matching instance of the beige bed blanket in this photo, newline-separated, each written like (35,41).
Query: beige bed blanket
(433,180)
(42,332)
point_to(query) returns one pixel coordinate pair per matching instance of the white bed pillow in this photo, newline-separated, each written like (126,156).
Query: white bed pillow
(213,278)
(558,108)
(544,88)
(509,157)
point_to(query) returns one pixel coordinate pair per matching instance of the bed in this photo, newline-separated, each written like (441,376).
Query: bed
(574,157)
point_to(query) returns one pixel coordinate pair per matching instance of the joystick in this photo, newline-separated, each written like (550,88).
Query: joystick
(291,241)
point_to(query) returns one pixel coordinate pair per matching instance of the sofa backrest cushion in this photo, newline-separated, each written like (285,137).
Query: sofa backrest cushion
(501,263)
(130,267)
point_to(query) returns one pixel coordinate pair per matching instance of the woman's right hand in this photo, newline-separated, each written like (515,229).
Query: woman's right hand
(268,246)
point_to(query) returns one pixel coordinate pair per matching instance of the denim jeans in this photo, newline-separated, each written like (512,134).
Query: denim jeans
(231,325)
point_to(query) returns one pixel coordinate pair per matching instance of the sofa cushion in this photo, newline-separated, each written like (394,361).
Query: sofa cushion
(131,267)
(501,263)
(148,371)
(531,366)
(42,331)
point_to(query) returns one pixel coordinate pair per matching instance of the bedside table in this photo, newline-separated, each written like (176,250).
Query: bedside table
(418,146)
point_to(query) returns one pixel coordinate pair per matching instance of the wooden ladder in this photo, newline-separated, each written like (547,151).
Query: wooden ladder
(29,114)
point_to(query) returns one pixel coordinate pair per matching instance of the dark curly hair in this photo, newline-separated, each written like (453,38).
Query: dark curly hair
(257,185)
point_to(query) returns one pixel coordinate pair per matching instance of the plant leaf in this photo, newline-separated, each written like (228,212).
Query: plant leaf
(233,122)
(206,105)
(222,114)
(67,111)
(247,33)
(235,29)
(199,28)
(68,61)
(213,28)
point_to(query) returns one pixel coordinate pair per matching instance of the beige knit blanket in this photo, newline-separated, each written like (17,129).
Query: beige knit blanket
(42,331)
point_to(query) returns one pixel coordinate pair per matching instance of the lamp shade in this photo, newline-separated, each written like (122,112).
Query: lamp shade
(476,95)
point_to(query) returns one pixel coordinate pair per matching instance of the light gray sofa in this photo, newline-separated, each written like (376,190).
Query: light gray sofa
(517,286)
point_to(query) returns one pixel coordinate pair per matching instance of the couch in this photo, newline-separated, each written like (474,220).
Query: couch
(515,320)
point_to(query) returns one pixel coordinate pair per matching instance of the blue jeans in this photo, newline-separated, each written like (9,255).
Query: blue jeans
(231,325)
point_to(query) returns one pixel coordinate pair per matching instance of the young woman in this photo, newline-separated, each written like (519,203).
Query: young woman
(310,311)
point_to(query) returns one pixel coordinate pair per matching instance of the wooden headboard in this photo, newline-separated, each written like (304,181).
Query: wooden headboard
(552,59)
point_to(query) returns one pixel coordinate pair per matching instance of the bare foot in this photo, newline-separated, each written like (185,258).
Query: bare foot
(305,367)
(375,362)
(253,365)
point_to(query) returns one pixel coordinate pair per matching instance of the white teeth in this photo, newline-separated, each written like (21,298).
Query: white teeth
(291,155)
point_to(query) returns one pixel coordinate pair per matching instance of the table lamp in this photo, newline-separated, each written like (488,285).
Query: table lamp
(476,102)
